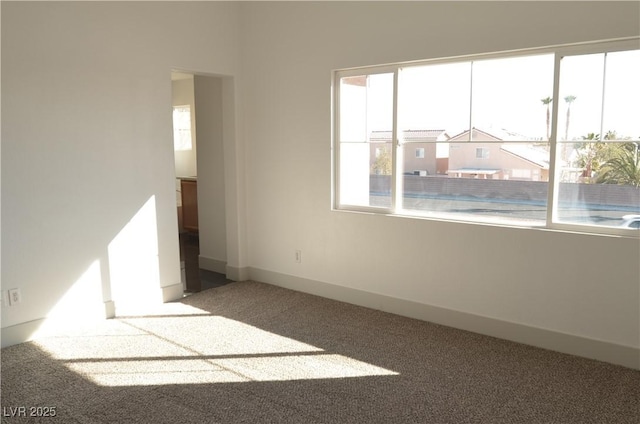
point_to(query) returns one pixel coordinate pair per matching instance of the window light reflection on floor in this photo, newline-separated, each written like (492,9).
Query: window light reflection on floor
(194,348)
(198,371)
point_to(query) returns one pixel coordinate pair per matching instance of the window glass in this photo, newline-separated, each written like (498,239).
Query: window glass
(621,114)
(580,105)
(435,97)
(182,128)
(507,95)
(366,121)
(598,160)
(475,138)
(482,153)
(494,102)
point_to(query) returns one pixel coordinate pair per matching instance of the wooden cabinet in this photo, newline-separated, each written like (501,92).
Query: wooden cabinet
(189,189)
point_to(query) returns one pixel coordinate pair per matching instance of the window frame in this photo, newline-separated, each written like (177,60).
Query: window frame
(396,209)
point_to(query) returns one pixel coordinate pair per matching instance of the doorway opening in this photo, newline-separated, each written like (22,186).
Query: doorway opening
(199,194)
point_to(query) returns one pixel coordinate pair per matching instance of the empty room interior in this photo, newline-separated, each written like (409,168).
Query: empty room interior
(406,211)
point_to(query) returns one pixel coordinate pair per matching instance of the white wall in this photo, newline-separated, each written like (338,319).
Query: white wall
(211,178)
(186,160)
(582,286)
(87,150)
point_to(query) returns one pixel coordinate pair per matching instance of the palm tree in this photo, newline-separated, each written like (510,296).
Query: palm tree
(611,135)
(587,155)
(623,168)
(569,99)
(547,101)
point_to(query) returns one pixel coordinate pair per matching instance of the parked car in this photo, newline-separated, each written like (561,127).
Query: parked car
(631,221)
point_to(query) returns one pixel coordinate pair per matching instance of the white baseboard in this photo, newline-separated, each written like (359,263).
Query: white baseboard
(238,274)
(109,309)
(211,264)
(172,292)
(566,343)
(231,272)
(27,331)
(20,333)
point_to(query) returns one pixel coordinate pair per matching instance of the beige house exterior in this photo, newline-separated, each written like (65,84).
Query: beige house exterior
(471,154)
(483,155)
(419,150)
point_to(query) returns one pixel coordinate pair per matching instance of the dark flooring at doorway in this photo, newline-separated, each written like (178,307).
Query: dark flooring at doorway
(197,279)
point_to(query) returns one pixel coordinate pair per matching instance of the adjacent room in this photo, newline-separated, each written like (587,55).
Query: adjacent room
(414,211)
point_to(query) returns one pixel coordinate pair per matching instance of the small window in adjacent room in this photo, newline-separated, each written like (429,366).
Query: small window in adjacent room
(182,128)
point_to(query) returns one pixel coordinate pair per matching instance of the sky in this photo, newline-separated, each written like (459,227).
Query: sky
(506,94)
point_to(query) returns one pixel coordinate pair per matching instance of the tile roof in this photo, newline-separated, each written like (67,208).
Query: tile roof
(535,155)
(411,135)
(499,134)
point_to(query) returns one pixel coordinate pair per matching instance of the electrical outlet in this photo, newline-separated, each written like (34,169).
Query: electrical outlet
(14,297)
(298,256)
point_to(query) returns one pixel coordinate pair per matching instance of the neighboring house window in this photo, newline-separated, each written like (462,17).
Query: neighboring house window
(182,128)
(570,168)
(482,153)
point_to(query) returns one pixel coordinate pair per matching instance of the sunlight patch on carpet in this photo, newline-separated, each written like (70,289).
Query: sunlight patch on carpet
(196,349)
(237,370)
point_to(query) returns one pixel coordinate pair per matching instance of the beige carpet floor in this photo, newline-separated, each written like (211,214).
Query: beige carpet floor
(253,353)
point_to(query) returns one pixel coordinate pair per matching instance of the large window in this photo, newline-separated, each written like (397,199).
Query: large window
(547,137)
